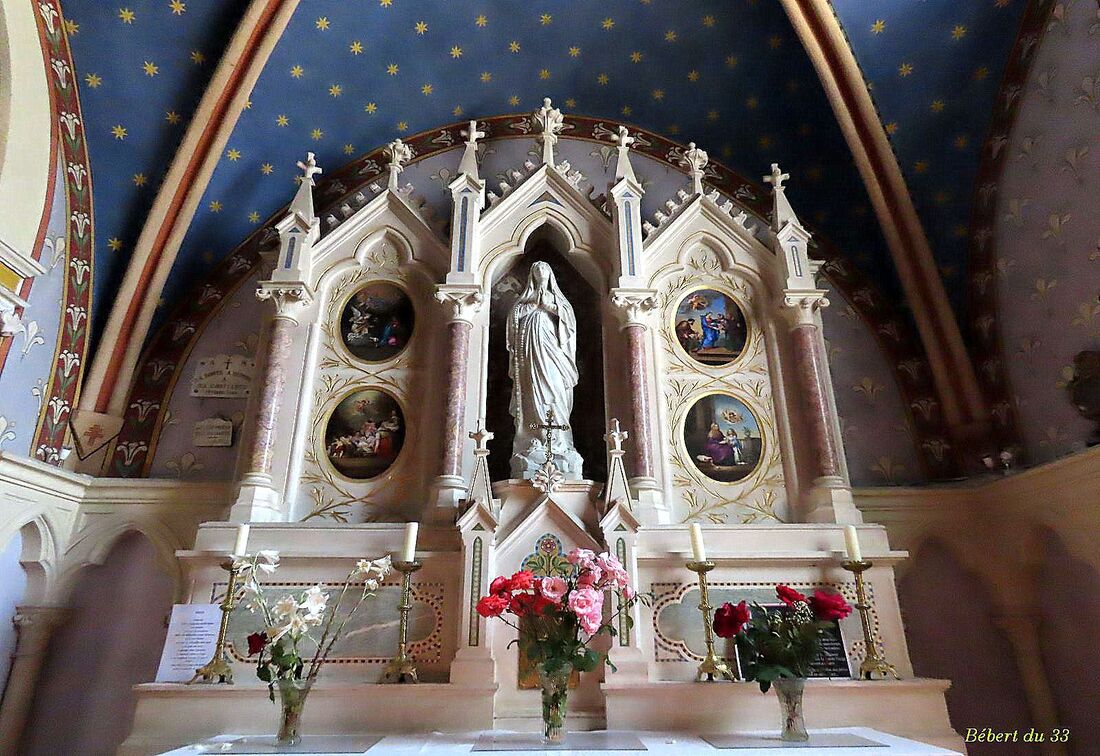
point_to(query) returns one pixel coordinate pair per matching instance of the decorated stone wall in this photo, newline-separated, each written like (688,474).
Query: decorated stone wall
(1046,234)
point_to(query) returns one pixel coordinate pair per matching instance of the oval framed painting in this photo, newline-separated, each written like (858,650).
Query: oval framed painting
(723,438)
(364,434)
(377,322)
(710,327)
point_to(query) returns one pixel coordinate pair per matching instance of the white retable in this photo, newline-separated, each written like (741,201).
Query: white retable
(672,744)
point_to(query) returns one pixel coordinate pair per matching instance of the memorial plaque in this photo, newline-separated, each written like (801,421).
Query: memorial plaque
(214,431)
(192,634)
(223,376)
(831,659)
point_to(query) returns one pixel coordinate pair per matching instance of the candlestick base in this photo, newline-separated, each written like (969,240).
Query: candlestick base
(873,666)
(712,667)
(218,669)
(401,668)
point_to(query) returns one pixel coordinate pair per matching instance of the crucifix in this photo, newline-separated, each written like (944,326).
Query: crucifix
(776,178)
(615,437)
(550,426)
(309,168)
(471,133)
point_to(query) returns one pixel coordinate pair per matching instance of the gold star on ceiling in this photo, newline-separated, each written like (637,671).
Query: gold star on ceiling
(197,57)
(139,179)
(961,141)
(921,166)
(486,77)
(178,7)
(335,90)
(119,131)
(731,61)
(513,46)
(385,3)
(937,106)
(752,103)
(608,24)
(349,149)
(426,89)
(958,32)
(93,80)
(693,76)
(456,52)
(233,154)
(574,51)
(297,71)
(172,117)
(481,21)
(981,73)
(254,217)
(282,120)
(626,110)
(905,69)
(544,74)
(708,20)
(370,108)
(570,102)
(670,36)
(635,57)
(71,27)
(392,69)
(267,169)
(356,47)
(712,115)
(545,19)
(150,68)
(215,206)
(658,94)
(402,126)
(322,23)
(457,110)
(879,26)
(114,243)
(602,79)
(891,128)
(775,41)
(421,27)
(316,135)
(126,15)
(513,100)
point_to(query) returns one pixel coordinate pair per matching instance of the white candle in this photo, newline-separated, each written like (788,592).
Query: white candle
(240,548)
(698,551)
(851,543)
(409,552)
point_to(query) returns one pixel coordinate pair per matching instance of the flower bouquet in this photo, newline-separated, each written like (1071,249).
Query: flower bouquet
(777,645)
(557,617)
(298,627)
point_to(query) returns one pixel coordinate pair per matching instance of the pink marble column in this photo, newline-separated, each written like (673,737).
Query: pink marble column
(271,395)
(639,399)
(458,353)
(809,367)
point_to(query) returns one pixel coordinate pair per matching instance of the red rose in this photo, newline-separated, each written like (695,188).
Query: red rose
(256,643)
(829,606)
(523,580)
(492,606)
(788,595)
(730,620)
(500,585)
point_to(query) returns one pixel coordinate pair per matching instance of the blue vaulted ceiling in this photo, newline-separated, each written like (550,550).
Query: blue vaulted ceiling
(350,75)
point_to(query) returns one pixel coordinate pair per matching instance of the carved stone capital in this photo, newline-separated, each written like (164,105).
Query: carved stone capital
(634,305)
(799,307)
(289,298)
(462,302)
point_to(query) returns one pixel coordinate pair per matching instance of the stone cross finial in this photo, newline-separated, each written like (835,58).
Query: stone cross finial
(550,120)
(309,168)
(695,160)
(482,436)
(624,139)
(471,133)
(615,436)
(623,168)
(776,178)
(398,153)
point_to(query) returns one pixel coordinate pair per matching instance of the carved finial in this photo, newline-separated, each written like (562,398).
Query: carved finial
(549,119)
(398,153)
(615,436)
(309,168)
(623,169)
(776,177)
(482,436)
(695,160)
(468,165)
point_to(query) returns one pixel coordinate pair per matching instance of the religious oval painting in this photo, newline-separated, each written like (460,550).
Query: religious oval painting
(377,322)
(723,438)
(711,327)
(365,433)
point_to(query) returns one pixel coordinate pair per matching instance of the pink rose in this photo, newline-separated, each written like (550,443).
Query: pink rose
(628,592)
(591,622)
(609,563)
(585,601)
(587,579)
(554,588)
(580,557)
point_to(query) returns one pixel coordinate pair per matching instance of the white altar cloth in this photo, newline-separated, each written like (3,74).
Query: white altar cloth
(665,744)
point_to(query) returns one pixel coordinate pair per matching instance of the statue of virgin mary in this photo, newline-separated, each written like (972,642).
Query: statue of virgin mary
(542,363)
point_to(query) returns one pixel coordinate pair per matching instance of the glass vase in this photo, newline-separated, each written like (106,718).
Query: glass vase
(789,691)
(292,697)
(555,694)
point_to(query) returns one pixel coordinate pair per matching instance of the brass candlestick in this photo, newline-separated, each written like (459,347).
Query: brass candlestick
(218,667)
(873,666)
(401,668)
(711,665)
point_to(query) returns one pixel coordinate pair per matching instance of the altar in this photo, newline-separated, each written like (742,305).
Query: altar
(550,371)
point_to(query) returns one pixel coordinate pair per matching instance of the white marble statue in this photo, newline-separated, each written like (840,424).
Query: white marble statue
(542,363)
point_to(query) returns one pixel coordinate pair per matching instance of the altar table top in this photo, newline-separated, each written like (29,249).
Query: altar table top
(822,743)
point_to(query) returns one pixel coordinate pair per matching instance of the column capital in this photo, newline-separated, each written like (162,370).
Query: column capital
(800,306)
(289,298)
(462,301)
(634,305)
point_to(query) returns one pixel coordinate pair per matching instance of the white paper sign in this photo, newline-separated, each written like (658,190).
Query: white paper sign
(192,635)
